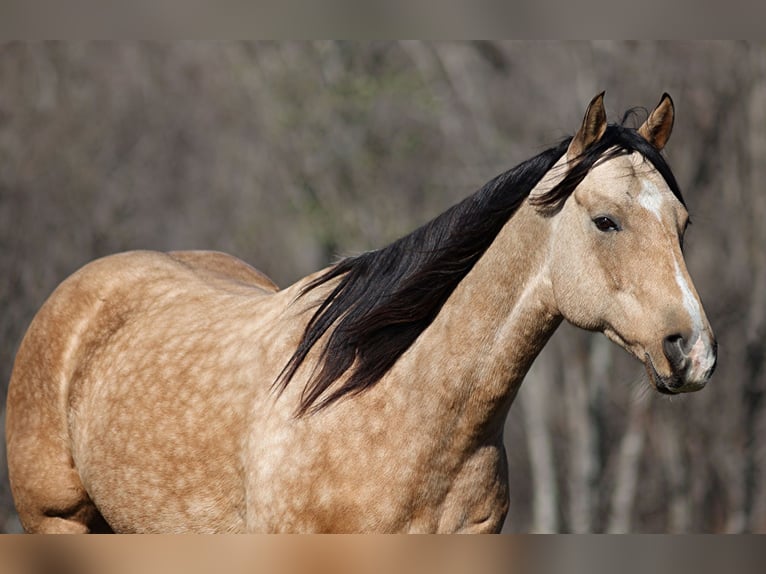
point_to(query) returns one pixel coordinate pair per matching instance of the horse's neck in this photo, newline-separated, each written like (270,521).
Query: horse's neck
(493,326)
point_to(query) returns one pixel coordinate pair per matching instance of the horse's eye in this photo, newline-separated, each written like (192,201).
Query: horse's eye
(605,223)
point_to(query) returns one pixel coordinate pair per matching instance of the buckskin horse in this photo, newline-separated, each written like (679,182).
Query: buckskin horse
(184,392)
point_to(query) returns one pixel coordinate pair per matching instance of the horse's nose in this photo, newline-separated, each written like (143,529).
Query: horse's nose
(692,359)
(677,352)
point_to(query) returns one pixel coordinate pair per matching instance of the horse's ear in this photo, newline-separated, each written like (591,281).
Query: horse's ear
(593,127)
(657,127)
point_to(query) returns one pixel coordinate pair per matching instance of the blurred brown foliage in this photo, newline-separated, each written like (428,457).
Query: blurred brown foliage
(291,154)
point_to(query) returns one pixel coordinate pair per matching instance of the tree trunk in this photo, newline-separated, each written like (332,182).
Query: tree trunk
(536,396)
(628,463)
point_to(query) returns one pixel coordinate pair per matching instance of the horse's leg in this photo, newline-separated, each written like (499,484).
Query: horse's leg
(46,486)
(47,490)
(49,496)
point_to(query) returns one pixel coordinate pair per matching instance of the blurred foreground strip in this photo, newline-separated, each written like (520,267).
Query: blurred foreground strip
(232,554)
(337,554)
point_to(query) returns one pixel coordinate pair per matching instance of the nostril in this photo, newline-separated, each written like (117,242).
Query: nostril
(676,340)
(673,346)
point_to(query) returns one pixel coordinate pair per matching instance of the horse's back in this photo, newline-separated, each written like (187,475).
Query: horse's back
(122,347)
(225,267)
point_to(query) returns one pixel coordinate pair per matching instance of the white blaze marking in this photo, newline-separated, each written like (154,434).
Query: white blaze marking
(702,357)
(690,302)
(650,198)
(701,353)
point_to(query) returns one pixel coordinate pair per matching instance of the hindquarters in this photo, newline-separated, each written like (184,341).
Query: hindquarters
(46,487)
(129,395)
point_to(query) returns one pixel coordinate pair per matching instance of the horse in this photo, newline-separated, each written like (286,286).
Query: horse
(185,392)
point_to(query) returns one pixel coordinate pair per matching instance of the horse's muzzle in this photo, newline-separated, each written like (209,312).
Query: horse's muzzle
(692,364)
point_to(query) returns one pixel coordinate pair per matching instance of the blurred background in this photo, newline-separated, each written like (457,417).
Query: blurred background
(289,155)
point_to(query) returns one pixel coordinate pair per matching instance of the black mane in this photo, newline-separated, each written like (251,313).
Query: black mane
(385,299)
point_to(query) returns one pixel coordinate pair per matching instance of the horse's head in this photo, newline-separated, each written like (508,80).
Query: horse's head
(617,251)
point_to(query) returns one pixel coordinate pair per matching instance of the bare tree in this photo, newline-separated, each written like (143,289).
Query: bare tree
(537,405)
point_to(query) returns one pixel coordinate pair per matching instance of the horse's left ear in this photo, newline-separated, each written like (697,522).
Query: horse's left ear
(657,127)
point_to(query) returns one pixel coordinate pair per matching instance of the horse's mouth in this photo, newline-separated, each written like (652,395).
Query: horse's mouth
(672,385)
(666,385)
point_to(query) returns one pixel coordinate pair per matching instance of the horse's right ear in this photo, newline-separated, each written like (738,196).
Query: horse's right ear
(657,127)
(593,127)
